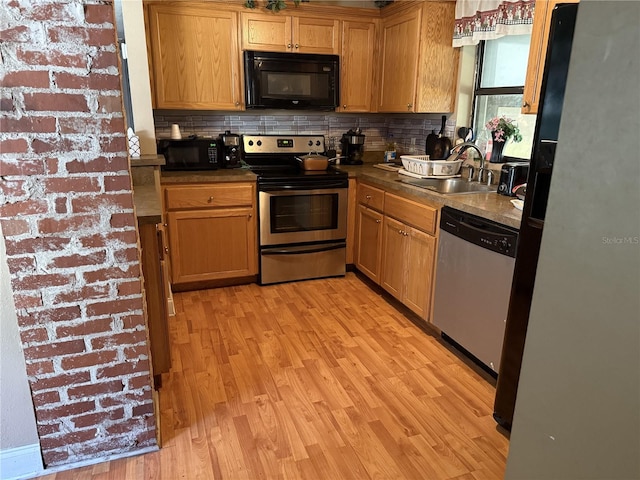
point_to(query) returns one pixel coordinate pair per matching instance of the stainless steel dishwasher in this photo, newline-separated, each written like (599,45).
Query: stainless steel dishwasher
(476,258)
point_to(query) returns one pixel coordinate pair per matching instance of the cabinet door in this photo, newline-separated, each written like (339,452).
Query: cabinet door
(369,242)
(357,67)
(315,35)
(266,32)
(420,254)
(196,59)
(212,244)
(399,61)
(394,258)
(537,53)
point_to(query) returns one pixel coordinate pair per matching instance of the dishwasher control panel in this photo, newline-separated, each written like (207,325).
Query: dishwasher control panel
(480,231)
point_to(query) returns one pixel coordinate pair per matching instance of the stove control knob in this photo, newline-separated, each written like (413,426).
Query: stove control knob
(317,143)
(311,143)
(503,245)
(259,143)
(251,143)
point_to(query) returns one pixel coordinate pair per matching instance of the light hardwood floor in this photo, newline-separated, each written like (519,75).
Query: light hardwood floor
(322,379)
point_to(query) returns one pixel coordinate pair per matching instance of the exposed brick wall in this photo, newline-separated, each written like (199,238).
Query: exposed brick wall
(67,216)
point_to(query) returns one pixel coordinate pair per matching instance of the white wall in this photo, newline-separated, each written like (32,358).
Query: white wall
(578,409)
(17,418)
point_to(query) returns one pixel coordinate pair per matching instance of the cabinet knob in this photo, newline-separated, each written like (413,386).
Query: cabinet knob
(237,104)
(297,45)
(166,250)
(368,197)
(210,199)
(525,105)
(378,221)
(250,215)
(409,105)
(288,45)
(344,106)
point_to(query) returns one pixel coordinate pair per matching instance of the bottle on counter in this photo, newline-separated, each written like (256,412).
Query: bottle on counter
(390,149)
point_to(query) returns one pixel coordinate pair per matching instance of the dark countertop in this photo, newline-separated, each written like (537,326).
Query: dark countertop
(487,205)
(147,161)
(227,175)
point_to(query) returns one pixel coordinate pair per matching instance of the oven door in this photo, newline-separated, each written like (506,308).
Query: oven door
(301,216)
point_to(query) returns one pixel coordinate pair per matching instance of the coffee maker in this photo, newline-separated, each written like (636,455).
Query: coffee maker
(352,147)
(230,149)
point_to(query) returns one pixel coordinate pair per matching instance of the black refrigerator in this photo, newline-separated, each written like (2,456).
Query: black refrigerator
(535,205)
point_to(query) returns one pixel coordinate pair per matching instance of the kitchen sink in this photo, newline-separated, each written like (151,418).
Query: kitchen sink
(449,185)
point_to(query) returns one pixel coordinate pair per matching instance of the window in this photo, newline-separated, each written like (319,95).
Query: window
(501,67)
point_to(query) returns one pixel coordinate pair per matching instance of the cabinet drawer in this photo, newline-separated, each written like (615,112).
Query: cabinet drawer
(371,197)
(209,196)
(421,216)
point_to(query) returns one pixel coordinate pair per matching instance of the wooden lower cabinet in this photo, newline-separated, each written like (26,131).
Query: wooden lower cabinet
(392,252)
(215,238)
(368,242)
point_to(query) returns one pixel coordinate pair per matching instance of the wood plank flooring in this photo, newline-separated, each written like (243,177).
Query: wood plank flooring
(322,379)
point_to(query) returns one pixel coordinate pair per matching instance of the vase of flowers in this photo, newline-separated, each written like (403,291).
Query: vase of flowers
(502,129)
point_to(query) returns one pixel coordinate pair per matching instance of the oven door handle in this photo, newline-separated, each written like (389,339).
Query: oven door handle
(310,186)
(305,249)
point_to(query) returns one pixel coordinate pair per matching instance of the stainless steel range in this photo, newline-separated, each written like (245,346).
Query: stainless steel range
(302,214)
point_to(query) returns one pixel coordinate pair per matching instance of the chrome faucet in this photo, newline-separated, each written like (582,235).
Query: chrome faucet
(460,149)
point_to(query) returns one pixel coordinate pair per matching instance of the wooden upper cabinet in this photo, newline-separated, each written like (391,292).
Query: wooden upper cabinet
(357,65)
(537,53)
(419,66)
(283,33)
(399,61)
(195,56)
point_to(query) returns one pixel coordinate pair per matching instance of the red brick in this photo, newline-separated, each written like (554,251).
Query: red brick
(11,188)
(122,220)
(56,102)
(26,78)
(51,57)
(20,264)
(80,294)
(72,185)
(68,224)
(92,81)
(44,317)
(61,205)
(60,381)
(98,13)
(20,33)
(95,389)
(34,335)
(126,255)
(48,429)
(82,35)
(113,307)
(129,288)
(131,322)
(104,59)
(100,240)
(134,353)
(87,327)
(104,274)
(90,203)
(118,339)
(98,418)
(67,439)
(126,398)
(141,381)
(43,280)
(14,227)
(28,124)
(129,425)
(61,144)
(77,260)
(117,183)
(36,245)
(112,144)
(14,145)
(21,167)
(123,369)
(52,165)
(26,207)
(100,164)
(54,349)
(91,125)
(143,409)
(55,457)
(43,367)
(46,398)
(27,301)
(110,103)
(58,12)
(72,362)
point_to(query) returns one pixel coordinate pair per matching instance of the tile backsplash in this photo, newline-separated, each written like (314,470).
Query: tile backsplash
(377,127)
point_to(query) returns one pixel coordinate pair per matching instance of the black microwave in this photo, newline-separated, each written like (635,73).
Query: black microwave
(194,153)
(292,81)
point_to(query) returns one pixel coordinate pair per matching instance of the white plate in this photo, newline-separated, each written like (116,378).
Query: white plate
(402,171)
(519,204)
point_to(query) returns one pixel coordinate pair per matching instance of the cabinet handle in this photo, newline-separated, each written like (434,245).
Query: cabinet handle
(237,104)
(250,215)
(368,197)
(297,45)
(344,106)
(288,45)
(210,199)
(525,105)
(409,105)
